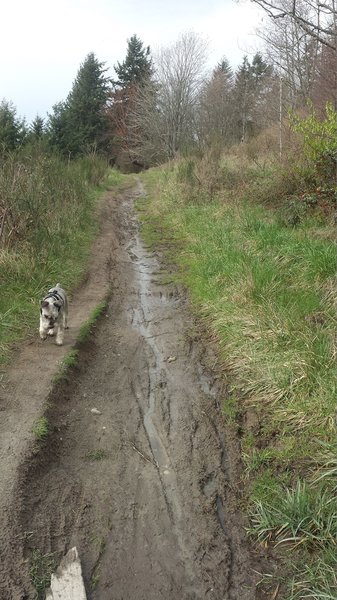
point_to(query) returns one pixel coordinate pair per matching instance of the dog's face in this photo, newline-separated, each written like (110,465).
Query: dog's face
(50,311)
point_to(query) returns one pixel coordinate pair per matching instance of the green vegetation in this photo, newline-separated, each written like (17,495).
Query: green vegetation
(78,126)
(42,567)
(94,455)
(137,66)
(88,326)
(263,283)
(69,361)
(12,128)
(41,428)
(48,224)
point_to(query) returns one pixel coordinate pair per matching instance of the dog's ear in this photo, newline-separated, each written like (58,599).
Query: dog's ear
(58,305)
(44,304)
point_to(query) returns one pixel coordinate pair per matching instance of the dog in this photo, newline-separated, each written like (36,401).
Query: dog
(54,314)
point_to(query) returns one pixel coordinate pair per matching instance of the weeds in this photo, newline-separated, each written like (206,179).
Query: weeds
(42,567)
(87,327)
(41,428)
(69,361)
(95,455)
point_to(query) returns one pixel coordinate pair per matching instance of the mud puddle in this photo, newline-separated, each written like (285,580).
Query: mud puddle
(142,485)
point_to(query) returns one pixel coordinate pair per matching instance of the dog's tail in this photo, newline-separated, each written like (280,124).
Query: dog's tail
(58,285)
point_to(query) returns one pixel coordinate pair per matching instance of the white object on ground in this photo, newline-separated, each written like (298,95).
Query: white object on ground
(67,582)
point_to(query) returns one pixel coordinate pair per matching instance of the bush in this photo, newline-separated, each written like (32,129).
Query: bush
(319,149)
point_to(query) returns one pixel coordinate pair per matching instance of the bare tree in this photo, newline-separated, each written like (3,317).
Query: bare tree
(180,74)
(163,119)
(319,21)
(294,55)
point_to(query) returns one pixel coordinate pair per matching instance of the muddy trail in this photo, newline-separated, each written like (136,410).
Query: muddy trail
(144,484)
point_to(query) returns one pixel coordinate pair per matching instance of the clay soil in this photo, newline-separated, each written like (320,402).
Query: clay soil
(138,471)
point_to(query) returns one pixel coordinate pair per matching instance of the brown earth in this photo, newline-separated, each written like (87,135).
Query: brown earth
(146,485)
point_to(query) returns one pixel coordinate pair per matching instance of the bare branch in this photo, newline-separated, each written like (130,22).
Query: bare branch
(325,34)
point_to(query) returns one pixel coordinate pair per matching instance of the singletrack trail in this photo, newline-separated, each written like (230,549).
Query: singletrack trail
(143,486)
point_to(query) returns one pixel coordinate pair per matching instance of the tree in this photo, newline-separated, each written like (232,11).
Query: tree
(136,69)
(79,124)
(133,74)
(224,67)
(319,20)
(163,117)
(294,54)
(13,130)
(37,128)
(180,76)
(215,110)
(252,90)
(324,88)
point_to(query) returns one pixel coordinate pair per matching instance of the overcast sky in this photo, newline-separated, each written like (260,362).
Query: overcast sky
(43,43)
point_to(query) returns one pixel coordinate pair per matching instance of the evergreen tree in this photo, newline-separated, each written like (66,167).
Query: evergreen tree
(259,68)
(223,67)
(78,125)
(243,98)
(134,75)
(252,84)
(37,129)
(137,66)
(13,130)
(215,111)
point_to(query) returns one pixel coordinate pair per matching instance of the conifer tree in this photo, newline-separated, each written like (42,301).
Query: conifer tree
(137,66)
(37,128)
(224,67)
(13,130)
(133,75)
(78,125)
(252,85)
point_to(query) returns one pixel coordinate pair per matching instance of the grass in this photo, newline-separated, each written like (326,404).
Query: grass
(95,455)
(69,361)
(264,284)
(41,428)
(41,569)
(87,327)
(49,226)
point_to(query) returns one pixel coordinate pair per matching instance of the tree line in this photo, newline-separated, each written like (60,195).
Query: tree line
(162,105)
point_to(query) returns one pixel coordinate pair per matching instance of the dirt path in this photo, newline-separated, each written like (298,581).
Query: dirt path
(144,487)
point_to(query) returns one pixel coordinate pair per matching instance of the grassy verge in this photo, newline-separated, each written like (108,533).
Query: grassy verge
(88,326)
(48,211)
(69,361)
(264,285)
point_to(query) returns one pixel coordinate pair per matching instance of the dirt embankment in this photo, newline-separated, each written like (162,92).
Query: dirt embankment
(142,485)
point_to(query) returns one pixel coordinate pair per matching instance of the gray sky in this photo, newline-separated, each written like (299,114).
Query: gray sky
(42,44)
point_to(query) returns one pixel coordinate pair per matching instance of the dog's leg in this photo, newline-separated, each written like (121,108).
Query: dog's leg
(42,331)
(59,335)
(65,314)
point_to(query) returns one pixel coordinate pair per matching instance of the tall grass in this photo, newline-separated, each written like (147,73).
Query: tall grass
(46,208)
(265,288)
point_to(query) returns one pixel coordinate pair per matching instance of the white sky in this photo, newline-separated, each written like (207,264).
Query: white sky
(43,43)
